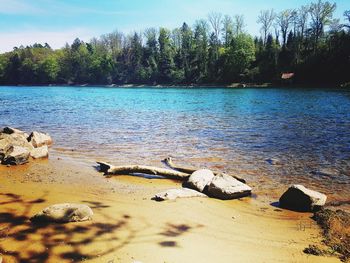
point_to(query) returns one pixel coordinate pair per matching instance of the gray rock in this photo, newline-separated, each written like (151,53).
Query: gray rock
(226,187)
(300,198)
(40,152)
(16,155)
(38,139)
(64,213)
(173,194)
(200,179)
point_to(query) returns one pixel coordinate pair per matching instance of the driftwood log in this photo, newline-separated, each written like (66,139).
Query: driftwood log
(109,169)
(169,162)
(179,173)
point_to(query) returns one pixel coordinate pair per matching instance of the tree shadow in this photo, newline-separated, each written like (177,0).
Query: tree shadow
(168,244)
(17,232)
(173,231)
(24,241)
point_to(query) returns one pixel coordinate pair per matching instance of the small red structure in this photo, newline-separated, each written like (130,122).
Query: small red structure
(287,76)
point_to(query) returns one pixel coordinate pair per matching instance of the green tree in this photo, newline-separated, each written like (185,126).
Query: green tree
(151,54)
(166,63)
(48,69)
(238,57)
(200,51)
(186,51)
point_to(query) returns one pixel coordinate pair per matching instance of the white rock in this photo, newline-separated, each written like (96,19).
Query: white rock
(64,213)
(16,139)
(40,152)
(200,179)
(38,139)
(173,194)
(226,187)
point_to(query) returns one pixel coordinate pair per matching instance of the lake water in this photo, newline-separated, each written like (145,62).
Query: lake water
(234,130)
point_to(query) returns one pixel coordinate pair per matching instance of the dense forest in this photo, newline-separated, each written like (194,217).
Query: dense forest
(307,41)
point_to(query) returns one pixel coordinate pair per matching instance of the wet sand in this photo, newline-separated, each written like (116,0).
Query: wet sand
(128,226)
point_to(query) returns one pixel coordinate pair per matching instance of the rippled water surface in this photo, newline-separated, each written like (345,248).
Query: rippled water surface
(235,130)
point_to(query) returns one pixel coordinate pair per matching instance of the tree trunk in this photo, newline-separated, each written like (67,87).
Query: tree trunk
(169,162)
(109,169)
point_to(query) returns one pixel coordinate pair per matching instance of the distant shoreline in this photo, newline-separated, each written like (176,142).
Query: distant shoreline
(232,85)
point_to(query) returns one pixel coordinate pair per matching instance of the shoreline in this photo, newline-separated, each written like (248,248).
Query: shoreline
(125,227)
(232,85)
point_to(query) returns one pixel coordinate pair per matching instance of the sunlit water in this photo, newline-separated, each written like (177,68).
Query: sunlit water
(234,130)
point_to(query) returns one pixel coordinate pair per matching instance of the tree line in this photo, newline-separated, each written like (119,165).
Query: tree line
(307,41)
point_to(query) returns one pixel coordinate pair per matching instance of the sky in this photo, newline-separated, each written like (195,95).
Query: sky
(25,22)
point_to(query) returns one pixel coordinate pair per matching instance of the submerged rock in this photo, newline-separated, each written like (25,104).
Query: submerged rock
(16,155)
(200,179)
(64,213)
(40,152)
(226,187)
(300,198)
(38,139)
(326,172)
(173,194)
(274,161)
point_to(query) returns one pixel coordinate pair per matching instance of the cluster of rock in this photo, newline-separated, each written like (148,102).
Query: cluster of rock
(203,183)
(16,146)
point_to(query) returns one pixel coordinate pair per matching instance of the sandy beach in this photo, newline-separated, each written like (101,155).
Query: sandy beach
(128,226)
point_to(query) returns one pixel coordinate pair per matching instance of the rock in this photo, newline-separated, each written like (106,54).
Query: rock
(274,161)
(226,187)
(4,145)
(40,152)
(326,172)
(15,145)
(64,213)
(299,198)
(38,139)
(16,139)
(200,179)
(16,155)
(173,194)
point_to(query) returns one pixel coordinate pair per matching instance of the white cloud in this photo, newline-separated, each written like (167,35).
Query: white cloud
(18,7)
(56,39)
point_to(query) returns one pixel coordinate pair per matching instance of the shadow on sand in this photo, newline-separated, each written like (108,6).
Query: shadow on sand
(23,241)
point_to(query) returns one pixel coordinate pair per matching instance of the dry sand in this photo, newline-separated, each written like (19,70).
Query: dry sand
(128,226)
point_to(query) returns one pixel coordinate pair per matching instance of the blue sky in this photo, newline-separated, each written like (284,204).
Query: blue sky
(60,21)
